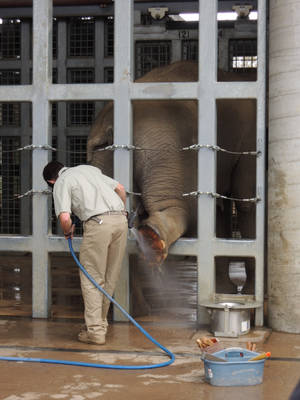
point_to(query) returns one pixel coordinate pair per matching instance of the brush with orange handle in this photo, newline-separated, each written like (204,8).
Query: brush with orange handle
(260,356)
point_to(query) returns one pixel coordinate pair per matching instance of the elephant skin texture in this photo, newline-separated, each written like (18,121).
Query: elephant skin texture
(162,172)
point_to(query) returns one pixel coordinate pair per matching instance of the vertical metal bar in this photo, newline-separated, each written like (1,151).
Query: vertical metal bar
(42,56)
(99,50)
(123,119)
(61,107)
(62,33)
(25,53)
(176,50)
(61,63)
(99,63)
(206,158)
(26,130)
(260,170)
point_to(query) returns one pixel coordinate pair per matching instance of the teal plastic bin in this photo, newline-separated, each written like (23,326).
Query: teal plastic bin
(237,371)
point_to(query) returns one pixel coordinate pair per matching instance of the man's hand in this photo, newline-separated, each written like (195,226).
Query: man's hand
(121,192)
(66,224)
(70,234)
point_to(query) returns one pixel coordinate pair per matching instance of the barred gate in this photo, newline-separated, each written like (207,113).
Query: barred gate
(77,103)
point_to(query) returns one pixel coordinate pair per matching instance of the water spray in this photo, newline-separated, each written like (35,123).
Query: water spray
(107,366)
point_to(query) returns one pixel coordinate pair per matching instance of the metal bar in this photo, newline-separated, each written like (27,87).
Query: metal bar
(170,90)
(236,90)
(69,92)
(16,93)
(42,56)
(16,243)
(260,170)
(241,248)
(61,52)
(123,120)
(26,130)
(206,160)
(99,51)
(59,244)
(71,11)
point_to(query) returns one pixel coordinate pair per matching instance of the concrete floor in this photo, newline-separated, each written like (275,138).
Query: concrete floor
(184,379)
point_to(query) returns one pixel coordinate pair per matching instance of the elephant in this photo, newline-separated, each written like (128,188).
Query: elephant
(163,172)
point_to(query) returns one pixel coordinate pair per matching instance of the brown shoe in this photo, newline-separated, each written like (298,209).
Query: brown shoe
(87,337)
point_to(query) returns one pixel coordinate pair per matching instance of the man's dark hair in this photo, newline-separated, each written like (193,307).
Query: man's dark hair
(51,170)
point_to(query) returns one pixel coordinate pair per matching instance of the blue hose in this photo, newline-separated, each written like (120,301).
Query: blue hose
(108,366)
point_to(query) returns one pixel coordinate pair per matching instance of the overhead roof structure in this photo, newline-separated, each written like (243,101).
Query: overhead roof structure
(223,4)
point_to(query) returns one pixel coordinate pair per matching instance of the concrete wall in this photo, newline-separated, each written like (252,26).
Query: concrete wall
(284,167)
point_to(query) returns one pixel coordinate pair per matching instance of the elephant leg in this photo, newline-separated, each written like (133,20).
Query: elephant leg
(223,219)
(244,187)
(246,221)
(159,231)
(140,305)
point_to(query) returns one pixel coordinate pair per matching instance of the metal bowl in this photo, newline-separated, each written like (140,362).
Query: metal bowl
(229,304)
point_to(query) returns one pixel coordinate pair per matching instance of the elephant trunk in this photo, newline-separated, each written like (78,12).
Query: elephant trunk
(163,173)
(169,224)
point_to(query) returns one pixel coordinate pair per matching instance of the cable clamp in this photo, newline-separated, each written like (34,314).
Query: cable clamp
(34,146)
(32,192)
(220,196)
(119,147)
(218,148)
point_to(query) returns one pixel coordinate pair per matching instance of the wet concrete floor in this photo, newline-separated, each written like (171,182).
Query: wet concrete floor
(184,379)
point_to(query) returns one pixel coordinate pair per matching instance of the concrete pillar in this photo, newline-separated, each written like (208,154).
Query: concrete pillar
(284,167)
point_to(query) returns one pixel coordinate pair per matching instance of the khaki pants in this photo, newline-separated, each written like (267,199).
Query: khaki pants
(101,253)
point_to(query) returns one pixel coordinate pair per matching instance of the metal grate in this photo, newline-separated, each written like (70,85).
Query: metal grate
(150,55)
(242,55)
(54,108)
(109,37)
(54,158)
(9,185)
(10,77)
(54,114)
(10,114)
(81,41)
(108,75)
(76,146)
(81,75)
(81,113)
(67,300)
(190,50)
(54,75)
(10,39)
(54,39)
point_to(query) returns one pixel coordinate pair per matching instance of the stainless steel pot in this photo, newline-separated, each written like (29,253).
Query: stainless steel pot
(229,319)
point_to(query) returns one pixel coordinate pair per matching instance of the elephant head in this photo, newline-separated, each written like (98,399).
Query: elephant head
(101,136)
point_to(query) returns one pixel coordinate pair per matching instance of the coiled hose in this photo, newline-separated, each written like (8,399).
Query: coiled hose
(108,366)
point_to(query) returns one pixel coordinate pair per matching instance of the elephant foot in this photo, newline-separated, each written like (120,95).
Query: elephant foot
(152,247)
